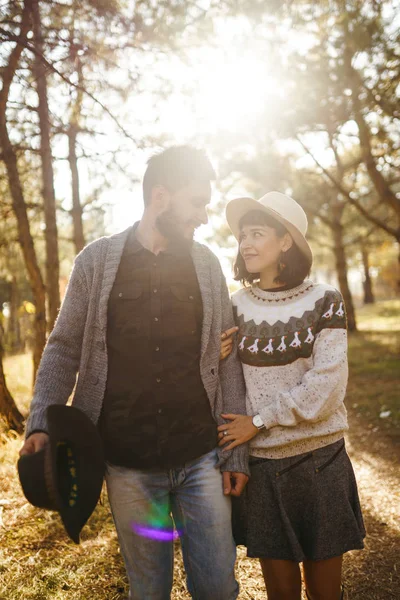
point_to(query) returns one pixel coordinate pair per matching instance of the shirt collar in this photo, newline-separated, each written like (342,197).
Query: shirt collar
(133,243)
(175,248)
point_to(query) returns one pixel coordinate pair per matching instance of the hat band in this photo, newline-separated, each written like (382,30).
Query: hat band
(48,478)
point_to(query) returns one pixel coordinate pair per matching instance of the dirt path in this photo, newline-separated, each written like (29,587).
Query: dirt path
(374,574)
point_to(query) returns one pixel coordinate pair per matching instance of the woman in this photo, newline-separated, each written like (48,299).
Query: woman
(301,503)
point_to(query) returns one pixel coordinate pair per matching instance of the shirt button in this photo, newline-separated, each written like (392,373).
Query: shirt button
(156,319)
(155,291)
(158,380)
(154,264)
(157,348)
(190,297)
(120,295)
(159,411)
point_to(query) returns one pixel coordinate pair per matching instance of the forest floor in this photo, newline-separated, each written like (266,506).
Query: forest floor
(38,562)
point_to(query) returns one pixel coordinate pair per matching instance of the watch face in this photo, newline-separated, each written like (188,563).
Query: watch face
(258,421)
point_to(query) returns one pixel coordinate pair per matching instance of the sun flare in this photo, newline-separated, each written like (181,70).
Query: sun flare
(234,93)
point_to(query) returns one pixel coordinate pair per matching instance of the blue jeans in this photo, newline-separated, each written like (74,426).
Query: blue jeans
(146,504)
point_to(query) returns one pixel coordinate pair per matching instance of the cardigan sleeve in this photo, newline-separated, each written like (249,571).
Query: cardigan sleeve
(60,360)
(323,387)
(232,384)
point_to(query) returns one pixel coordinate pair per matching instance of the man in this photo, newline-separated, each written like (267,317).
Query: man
(141,323)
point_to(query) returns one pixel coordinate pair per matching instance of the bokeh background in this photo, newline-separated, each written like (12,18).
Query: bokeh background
(295,96)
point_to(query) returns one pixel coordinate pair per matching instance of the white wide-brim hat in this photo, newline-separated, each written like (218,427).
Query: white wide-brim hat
(281,207)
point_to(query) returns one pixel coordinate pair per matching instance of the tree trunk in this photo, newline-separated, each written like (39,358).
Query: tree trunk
(26,242)
(367,283)
(13,330)
(8,409)
(341,269)
(24,235)
(49,199)
(76,108)
(76,212)
(398,268)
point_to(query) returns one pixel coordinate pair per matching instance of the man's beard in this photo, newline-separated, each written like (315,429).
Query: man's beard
(167,225)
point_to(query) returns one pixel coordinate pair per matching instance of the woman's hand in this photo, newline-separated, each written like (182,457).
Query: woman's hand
(227,342)
(238,431)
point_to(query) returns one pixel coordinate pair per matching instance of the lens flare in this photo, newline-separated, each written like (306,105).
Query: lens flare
(157,524)
(160,535)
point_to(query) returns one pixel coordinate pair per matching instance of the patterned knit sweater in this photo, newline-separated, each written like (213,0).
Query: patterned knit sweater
(293,347)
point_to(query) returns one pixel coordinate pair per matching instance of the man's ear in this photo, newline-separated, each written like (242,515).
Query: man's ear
(160,198)
(287,242)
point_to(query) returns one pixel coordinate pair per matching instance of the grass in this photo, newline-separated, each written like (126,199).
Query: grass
(374,353)
(382,316)
(19,373)
(38,562)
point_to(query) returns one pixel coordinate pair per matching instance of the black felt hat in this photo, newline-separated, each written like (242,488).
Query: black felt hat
(67,474)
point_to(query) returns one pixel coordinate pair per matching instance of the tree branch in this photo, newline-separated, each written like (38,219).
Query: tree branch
(378,222)
(30,48)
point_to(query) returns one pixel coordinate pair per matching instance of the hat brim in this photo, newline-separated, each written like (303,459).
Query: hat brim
(31,471)
(70,425)
(46,477)
(236,209)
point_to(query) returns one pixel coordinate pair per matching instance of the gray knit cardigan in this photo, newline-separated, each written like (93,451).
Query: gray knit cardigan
(77,345)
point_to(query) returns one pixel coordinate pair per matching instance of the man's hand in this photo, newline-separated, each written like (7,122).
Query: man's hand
(34,443)
(234,483)
(227,342)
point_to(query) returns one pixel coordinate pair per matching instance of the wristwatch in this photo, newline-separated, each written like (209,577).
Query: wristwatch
(257,422)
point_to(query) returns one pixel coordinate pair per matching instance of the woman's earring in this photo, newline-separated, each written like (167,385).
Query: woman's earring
(281,264)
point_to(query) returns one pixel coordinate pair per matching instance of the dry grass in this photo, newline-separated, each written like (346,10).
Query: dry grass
(37,562)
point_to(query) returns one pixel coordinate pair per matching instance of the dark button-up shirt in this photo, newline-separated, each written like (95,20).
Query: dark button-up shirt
(156,413)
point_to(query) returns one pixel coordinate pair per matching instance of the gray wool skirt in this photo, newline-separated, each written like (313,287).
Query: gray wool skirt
(304,507)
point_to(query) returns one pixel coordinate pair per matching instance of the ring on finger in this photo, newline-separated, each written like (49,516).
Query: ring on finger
(225,432)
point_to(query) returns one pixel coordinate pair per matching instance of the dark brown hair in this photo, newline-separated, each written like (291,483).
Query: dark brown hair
(297,265)
(175,168)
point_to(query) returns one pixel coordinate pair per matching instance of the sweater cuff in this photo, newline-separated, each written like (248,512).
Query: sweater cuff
(268,417)
(37,421)
(37,431)
(236,461)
